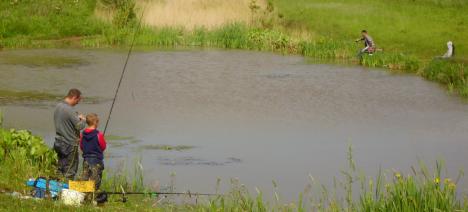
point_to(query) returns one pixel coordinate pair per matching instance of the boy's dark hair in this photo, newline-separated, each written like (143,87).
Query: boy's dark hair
(92,119)
(364,31)
(74,93)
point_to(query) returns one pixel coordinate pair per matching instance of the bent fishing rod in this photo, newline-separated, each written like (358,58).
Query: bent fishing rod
(123,70)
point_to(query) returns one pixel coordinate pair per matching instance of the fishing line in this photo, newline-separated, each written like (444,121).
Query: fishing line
(123,70)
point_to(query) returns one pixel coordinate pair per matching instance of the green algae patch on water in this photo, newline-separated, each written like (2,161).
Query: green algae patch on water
(119,138)
(42,60)
(116,144)
(7,95)
(120,141)
(166,147)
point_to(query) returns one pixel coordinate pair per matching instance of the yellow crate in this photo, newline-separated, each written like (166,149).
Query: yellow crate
(82,186)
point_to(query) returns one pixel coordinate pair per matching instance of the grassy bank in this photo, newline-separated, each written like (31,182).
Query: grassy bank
(24,155)
(421,27)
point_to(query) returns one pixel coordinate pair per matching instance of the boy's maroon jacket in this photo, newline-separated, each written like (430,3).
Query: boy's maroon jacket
(93,144)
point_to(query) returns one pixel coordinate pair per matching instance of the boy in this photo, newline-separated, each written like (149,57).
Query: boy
(93,144)
(369,45)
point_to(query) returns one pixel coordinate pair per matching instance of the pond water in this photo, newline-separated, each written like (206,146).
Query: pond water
(253,116)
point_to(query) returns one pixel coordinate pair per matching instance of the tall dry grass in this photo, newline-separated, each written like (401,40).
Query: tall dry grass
(196,13)
(191,14)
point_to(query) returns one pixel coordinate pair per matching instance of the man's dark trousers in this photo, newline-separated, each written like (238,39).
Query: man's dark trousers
(68,159)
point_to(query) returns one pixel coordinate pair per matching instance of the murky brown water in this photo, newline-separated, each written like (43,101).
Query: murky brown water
(254,116)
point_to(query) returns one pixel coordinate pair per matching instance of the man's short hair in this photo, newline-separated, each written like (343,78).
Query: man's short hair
(364,31)
(92,119)
(74,93)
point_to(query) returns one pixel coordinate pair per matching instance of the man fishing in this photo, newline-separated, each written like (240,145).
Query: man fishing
(68,124)
(369,46)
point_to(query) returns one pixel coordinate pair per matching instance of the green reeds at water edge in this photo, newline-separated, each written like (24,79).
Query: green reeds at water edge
(451,73)
(24,155)
(392,61)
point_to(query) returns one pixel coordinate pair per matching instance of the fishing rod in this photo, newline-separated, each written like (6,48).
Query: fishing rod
(162,193)
(102,197)
(123,70)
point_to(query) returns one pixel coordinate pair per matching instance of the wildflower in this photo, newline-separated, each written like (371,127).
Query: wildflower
(447,181)
(452,186)
(398,175)
(436,180)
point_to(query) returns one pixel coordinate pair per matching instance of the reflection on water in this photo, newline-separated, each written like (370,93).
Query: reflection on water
(254,116)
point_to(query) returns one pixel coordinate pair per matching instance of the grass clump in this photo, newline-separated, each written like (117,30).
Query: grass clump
(391,61)
(124,14)
(450,73)
(419,191)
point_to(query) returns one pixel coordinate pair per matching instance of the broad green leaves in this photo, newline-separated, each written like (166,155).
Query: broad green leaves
(30,147)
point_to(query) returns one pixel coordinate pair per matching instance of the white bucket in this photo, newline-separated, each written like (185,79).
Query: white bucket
(71,197)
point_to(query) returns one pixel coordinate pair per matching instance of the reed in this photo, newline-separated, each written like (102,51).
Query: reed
(450,73)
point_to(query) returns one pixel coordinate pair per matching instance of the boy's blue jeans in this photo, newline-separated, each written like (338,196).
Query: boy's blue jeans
(92,170)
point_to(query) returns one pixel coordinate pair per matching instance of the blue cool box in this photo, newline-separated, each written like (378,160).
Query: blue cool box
(54,186)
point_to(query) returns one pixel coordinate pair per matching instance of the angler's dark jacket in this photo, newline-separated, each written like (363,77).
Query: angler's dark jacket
(93,144)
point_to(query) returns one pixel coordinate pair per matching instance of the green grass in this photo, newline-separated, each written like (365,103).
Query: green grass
(421,28)
(48,19)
